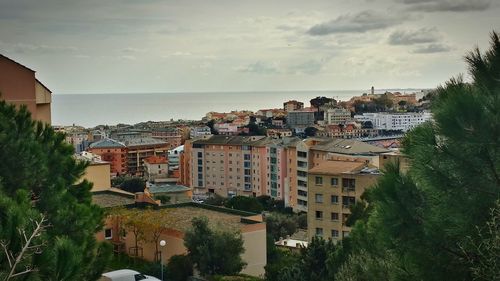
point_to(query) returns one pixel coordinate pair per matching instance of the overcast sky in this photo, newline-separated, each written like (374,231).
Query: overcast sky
(124,46)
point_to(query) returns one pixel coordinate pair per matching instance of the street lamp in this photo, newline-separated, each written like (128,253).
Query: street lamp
(162,244)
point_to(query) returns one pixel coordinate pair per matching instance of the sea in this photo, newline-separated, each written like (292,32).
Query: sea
(90,110)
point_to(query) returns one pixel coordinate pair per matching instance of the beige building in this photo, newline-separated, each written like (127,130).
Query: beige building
(177,220)
(98,172)
(155,169)
(334,186)
(19,86)
(336,115)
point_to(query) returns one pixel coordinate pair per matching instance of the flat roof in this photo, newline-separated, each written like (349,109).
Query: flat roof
(335,167)
(112,198)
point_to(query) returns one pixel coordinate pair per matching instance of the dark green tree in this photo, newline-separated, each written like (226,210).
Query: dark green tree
(244,203)
(179,268)
(310,131)
(133,184)
(280,225)
(214,252)
(39,174)
(423,225)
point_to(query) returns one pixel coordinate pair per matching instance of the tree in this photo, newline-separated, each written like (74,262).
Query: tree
(244,203)
(214,251)
(310,131)
(179,268)
(279,225)
(40,177)
(133,184)
(422,225)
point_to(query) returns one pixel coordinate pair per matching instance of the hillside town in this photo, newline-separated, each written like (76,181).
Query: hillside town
(312,190)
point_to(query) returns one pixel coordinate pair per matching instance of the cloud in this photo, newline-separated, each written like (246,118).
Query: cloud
(260,67)
(356,23)
(23,48)
(410,37)
(447,5)
(432,48)
(132,50)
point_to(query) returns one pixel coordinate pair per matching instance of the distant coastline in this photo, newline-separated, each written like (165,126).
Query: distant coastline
(89,110)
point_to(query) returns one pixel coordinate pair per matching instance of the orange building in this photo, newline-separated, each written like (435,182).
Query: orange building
(19,86)
(113,152)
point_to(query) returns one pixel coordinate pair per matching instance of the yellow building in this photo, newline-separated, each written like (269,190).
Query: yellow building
(334,186)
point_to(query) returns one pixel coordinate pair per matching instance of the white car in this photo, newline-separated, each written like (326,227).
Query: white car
(125,275)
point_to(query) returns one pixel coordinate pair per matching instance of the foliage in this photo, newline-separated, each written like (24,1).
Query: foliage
(483,256)
(239,277)
(214,251)
(216,200)
(302,220)
(272,205)
(279,225)
(278,259)
(319,101)
(39,176)
(121,261)
(179,268)
(423,225)
(310,131)
(130,184)
(244,203)
(164,199)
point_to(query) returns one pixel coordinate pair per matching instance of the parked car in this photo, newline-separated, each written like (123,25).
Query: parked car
(125,275)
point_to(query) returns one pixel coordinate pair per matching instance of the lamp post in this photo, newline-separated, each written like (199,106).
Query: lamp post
(162,244)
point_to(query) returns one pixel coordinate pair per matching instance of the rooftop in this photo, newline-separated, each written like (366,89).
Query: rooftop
(348,146)
(335,167)
(144,141)
(107,143)
(112,197)
(167,188)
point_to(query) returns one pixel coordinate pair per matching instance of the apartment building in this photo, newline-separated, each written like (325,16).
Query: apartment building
(300,118)
(334,186)
(314,151)
(111,151)
(395,121)
(196,132)
(155,169)
(172,136)
(337,115)
(141,148)
(19,86)
(237,165)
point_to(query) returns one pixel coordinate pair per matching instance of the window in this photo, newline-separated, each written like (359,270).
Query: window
(335,216)
(318,180)
(335,233)
(319,231)
(200,162)
(348,201)
(302,174)
(200,169)
(319,215)
(334,199)
(302,193)
(200,154)
(319,198)
(108,233)
(334,181)
(302,154)
(349,184)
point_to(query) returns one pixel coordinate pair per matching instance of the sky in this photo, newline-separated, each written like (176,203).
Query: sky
(139,46)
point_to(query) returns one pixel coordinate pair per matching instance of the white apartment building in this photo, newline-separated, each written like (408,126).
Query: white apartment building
(196,132)
(395,121)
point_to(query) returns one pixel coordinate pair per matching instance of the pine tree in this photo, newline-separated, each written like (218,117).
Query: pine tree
(38,173)
(423,225)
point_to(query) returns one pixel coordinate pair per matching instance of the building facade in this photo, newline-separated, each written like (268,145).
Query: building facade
(112,151)
(155,168)
(293,105)
(19,86)
(395,121)
(334,187)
